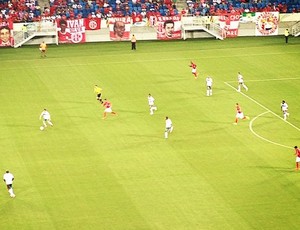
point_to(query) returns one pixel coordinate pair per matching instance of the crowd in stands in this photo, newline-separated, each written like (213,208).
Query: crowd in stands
(30,11)
(20,10)
(217,7)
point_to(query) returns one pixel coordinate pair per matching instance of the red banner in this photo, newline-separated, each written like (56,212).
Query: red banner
(92,23)
(229,24)
(267,23)
(6,34)
(71,31)
(169,27)
(119,28)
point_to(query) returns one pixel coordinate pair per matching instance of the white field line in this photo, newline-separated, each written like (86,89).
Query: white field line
(271,79)
(256,102)
(267,111)
(265,139)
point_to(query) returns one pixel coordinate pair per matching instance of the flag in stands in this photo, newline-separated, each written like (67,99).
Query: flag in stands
(119,28)
(229,23)
(6,34)
(266,23)
(71,31)
(168,27)
(93,23)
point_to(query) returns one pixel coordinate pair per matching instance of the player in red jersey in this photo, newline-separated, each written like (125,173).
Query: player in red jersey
(239,114)
(297,153)
(108,108)
(194,69)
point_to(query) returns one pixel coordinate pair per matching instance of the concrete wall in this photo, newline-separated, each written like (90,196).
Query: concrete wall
(149,33)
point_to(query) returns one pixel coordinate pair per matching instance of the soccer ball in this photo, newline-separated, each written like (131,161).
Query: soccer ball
(42,128)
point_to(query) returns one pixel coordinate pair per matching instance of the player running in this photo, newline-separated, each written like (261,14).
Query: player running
(239,114)
(169,127)
(8,179)
(46,118)
(209,82)
(194,69)
(108,108)
(241,82)
(284,108)
(151,104)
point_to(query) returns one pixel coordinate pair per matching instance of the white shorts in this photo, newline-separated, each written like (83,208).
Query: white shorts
(297,159)
(108,110)
(240,115)
(168,129)
(194,70)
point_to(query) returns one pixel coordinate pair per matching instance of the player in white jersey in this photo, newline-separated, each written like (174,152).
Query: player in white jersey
(46,118)
(209,82)
(8,179)
(241,82)
(151,104)
(169,127)
(284,108)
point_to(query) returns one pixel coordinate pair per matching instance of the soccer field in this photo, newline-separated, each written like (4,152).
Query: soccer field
(121,173)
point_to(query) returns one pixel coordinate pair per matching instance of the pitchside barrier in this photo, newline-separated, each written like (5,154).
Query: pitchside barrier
(192,27)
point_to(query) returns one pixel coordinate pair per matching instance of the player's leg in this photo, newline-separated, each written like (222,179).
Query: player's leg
(171,129)
(284,115)
(196,75)
(44,123)
(49,122)
(166,132)
(236,119)
(10,190)
(151,109)
(208,91)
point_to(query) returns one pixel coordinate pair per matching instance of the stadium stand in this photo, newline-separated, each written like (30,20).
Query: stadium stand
(32,10)
(20,11)
(216,7)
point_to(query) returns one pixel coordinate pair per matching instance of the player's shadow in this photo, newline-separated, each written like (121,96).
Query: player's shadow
(277,169)
(145,136)
(80,102)
(168,81)
(131,111)
(14,125)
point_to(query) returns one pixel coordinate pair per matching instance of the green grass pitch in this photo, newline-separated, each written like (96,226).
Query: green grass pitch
(121,173)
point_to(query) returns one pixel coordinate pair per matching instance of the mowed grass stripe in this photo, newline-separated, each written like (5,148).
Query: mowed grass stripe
(121,173)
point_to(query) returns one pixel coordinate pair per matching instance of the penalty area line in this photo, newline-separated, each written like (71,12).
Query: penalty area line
(264,107)
(271,79)
(265,139)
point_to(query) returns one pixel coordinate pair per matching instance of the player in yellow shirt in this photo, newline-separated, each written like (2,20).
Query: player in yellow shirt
(98,92)
(43,48)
